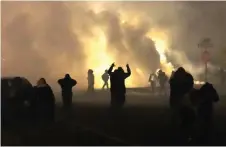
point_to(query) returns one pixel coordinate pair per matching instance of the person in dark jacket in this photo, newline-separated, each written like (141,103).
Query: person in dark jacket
(181,85)
(208,96)
(66,84)
(46,101)
(162,81)
(91,81)
(118,88)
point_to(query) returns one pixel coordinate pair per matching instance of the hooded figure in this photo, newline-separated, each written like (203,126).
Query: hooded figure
(208,96)
(181,85)
(45,101)
(118,88)
(105,78)
(90,80)
(66,84)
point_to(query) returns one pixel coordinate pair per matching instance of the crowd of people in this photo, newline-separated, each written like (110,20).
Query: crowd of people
(192,107)
(189,106)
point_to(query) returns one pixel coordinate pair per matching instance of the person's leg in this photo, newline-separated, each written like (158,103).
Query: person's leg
(104,85)
(107,85)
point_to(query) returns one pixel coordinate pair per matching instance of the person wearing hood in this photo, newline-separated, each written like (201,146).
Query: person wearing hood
(181,85)
(208,96)
(90,79)
(66,84)
(45,101)
(118,88)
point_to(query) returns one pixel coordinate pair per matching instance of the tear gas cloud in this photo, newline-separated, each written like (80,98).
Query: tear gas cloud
(49,39)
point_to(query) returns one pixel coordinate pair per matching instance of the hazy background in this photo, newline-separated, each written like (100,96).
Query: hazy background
(49,39)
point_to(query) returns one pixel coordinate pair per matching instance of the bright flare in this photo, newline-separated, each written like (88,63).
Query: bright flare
(161,45)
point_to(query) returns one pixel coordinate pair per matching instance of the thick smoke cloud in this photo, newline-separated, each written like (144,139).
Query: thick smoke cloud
(49,39)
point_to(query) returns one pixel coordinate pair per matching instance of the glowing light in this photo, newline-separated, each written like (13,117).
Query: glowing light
(199,82)
(97,57)
(161,45)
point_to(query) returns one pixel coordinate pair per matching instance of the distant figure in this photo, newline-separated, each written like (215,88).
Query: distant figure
(105,78)
(66,84)
(45,101)
(152,80)
(90,79)
(162,81)
(208,96)
(118,88)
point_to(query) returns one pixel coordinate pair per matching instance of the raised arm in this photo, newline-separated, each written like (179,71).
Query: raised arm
(111,68)
(60,81)
(128,71)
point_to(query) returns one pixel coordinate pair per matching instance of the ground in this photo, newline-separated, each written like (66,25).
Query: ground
(145,120)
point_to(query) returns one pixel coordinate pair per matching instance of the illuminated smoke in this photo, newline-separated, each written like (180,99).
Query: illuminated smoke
(49,39)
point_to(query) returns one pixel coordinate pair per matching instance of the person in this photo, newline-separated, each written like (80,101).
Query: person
(90,79)
(118,88)
(162,81)
(45,101)
(208,96)
(105,78)
(152,80)
(67,83)
(181,84)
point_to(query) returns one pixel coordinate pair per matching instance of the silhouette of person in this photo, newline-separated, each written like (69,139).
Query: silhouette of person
(105,78)
(152,80)
(208,96)
(118,88)
(91,80)
(45,101)
(162,81)
(67,83)
(181,84)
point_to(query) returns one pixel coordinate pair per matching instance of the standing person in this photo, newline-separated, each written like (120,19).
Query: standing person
(208,96)
(91,80)
(105,78)
(181,84)
(152,80)
(118,88)
(162,81)
(66,84)
(45,101)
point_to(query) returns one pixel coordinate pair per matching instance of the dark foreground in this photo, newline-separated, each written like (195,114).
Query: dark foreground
(145,120)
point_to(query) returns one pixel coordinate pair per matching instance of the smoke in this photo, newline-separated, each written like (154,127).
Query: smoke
(49,39)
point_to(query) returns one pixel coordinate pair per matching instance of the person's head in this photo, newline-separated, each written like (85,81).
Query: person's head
(181,70)
(90,71)
(67,76)
(41,81)
(106,71)
(120,69)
